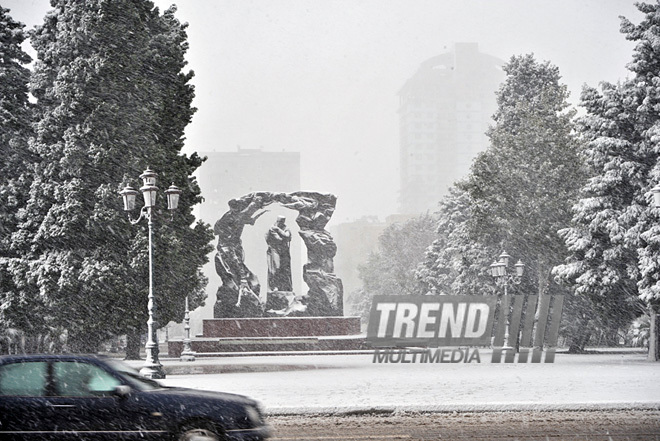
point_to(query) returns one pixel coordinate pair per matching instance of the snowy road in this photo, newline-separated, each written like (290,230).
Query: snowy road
(529,426)
(344,383)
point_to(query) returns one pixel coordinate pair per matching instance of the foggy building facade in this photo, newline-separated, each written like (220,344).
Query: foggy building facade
(444,112)
(355,241)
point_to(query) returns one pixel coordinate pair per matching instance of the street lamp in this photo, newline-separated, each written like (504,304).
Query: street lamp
(499,271)
(152,367)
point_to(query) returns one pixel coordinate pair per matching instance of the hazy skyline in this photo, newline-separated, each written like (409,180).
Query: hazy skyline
(321,77)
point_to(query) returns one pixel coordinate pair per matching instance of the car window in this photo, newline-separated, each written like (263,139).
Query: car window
(133,376)
(77,379)
(24,379)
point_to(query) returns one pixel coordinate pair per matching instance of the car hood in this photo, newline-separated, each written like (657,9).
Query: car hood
(181,392)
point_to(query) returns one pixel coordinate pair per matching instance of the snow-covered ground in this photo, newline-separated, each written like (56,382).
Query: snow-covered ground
(341,383)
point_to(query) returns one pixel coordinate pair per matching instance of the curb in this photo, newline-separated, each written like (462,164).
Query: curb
(463,408)
(237,368)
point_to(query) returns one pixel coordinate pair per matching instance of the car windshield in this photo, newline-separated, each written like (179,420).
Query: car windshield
(133,376)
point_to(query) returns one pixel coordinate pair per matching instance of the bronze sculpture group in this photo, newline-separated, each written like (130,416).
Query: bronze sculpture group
(239,294)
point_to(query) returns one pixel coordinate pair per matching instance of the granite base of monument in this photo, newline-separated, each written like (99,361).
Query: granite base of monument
(275,334)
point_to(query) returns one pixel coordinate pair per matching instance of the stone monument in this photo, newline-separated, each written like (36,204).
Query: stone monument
(287,321)
(239,294)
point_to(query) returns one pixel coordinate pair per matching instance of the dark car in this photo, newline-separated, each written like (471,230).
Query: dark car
(90,397)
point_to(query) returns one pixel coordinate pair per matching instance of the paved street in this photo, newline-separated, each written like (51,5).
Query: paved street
(592,426)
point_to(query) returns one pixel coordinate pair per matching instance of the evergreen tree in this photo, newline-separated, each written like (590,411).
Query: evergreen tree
(523,184)
(518,194)
(616,239)
(15,108)
(455,263)
(602,260)
(16,311)
(112,100)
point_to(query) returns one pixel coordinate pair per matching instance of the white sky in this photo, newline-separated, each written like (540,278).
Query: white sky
(321,76)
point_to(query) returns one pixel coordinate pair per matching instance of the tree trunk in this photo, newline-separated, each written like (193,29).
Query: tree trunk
(133,346)
(578,343)
(654,334)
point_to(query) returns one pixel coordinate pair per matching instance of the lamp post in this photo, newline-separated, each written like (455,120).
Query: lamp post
(499,270)
(152,367)
(654,322)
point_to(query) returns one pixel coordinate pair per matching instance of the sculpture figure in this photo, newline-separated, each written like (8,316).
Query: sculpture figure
(325,295)
(278,255)
(237,280)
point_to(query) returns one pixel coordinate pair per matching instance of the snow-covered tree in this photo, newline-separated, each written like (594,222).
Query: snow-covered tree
(113,99)
(522,186)
(603,260)
(519,191)
(456,263)
(15,118)
(616,238)
(14,104)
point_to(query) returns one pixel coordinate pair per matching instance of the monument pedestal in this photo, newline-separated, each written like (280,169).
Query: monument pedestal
(275,334)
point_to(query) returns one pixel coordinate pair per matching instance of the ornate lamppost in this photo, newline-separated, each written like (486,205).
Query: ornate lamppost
(152,367)
(499,270)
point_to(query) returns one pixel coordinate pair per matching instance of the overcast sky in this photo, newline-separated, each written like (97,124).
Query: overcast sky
(321,76)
